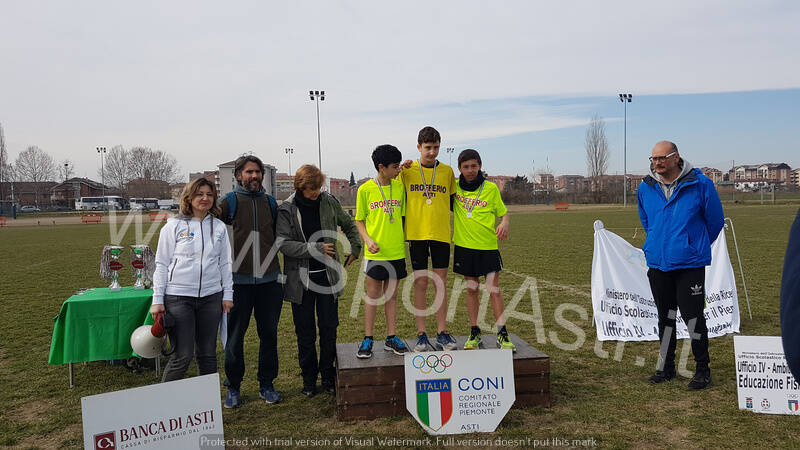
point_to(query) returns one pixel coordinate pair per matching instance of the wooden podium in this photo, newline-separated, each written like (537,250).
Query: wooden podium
(375,387)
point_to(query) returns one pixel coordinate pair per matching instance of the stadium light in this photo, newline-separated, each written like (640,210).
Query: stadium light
(625,99)
(318,96)
(450,150)
(289,152)
(102,151)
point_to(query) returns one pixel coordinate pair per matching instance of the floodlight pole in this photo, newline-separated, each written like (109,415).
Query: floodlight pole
(289,152)
(450,150)
(102,151)
(625,99)
(318,96)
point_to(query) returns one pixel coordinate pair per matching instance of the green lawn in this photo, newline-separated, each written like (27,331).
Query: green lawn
(593,397)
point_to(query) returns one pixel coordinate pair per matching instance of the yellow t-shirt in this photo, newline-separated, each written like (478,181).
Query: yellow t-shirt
(423,221)
(374,211)
(477,232)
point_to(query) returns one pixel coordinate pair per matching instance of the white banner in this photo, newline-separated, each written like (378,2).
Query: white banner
(176,415)
(763,380)
(623,305)
(459,391)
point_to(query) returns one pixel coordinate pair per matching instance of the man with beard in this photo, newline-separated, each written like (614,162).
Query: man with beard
(682,215)
(256,290)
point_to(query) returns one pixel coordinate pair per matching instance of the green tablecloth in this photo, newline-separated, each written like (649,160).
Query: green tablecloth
(97,325)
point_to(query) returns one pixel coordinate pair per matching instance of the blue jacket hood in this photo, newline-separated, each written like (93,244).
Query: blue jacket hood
(680,229)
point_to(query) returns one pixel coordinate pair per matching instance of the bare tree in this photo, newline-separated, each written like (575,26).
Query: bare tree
(117,170)
(65,169)
(597,154)
(122,166)
(36,166)
(153,164)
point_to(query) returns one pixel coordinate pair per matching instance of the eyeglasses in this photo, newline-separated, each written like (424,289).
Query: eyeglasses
(654,159)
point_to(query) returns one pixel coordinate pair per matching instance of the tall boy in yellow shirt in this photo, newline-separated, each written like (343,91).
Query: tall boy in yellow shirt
(428,186)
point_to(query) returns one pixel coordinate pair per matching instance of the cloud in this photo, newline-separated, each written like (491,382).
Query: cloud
(207,81)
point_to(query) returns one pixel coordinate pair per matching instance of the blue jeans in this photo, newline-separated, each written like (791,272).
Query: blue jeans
(195,331)
(265,302)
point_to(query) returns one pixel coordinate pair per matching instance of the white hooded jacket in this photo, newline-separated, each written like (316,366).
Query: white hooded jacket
(193,259)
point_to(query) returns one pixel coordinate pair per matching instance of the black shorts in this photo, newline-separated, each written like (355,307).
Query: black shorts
(476,263)
(438,251)
(384,270)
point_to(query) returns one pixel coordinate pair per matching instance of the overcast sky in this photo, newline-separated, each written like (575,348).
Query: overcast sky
(518,80)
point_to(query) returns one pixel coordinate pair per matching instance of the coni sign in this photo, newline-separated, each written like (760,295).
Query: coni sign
(459,391)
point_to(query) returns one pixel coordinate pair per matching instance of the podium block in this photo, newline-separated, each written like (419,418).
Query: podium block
(375,387)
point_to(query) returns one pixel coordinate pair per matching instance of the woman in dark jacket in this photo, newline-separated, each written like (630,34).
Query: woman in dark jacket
(306,235)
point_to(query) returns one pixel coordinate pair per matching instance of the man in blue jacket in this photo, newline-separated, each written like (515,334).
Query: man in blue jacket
(682,215)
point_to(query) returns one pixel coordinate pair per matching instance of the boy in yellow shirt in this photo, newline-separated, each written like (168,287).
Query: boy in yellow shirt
(380,207)
(476,207)
(428,186)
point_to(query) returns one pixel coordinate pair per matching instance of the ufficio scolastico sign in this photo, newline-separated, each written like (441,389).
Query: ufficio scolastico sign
(459,391)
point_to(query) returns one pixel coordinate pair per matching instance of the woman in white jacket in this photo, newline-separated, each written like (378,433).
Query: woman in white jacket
(192,282)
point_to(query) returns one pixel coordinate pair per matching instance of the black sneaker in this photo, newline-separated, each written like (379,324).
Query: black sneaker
(700,380)
(662,376)
(395,345)
(365,349)
(329,388)
(309,390)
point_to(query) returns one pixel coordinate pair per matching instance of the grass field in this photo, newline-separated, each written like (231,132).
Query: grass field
(593,397)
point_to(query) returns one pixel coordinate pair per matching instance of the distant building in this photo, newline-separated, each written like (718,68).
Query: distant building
(794,177)
(545,182)
(210,175)
(66,193)
(754,176)
(340,186)
(284,185)
(500,180)
(745,172)
(176,189)
(571,183)
(713,174)
(776,172)
(28,193)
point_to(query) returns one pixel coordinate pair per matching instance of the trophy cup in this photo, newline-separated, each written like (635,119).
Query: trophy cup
(143,260)
(110,265)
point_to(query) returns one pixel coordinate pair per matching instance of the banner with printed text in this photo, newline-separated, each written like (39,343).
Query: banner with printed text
(623,305)
(459,391)
(181,414)
(764,382)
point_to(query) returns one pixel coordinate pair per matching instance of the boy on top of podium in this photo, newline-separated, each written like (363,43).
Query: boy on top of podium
(429,185)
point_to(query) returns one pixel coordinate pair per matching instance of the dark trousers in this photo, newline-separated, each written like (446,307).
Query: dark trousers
(195,331)
(265,302)
(684,289)
(327,310)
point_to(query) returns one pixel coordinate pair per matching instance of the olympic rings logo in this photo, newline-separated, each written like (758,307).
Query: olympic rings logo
(432,363)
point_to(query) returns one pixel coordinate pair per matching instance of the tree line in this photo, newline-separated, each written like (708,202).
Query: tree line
(121,166)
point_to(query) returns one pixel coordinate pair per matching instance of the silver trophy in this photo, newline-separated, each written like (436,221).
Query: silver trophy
(110,266)
(143,260)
